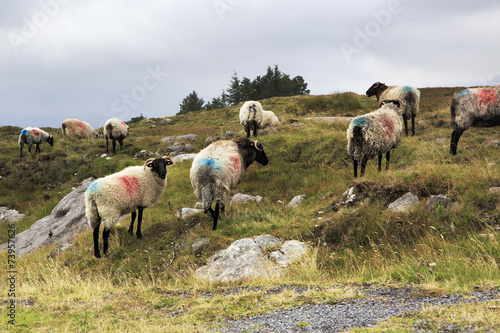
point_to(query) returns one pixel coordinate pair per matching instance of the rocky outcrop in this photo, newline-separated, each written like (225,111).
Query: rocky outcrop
(60,227)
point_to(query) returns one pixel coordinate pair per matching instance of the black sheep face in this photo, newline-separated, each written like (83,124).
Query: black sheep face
(159,166)
(260,155)
(374,89)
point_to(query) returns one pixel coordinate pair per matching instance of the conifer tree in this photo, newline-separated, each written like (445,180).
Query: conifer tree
(191,103)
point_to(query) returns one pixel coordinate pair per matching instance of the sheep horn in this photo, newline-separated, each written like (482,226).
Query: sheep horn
(151,159)
(168,160)
(256,144)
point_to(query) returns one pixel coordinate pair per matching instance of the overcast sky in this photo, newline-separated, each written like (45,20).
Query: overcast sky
(97,59)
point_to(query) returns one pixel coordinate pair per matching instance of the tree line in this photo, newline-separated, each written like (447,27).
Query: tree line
(273,84)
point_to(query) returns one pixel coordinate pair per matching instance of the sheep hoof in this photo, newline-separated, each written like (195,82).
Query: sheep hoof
(139,236)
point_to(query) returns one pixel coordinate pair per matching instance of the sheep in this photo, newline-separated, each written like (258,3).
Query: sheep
(476,107)
(79,128)
(133,188)
(115,130)
(34,135)
(409,98)
(219,167)
(373,134)
(269,119)
(251,116)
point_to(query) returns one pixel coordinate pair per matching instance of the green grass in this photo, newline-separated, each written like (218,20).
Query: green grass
(148,284)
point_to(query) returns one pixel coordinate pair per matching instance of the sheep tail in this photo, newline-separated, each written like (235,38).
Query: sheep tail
(357,143)
(206,196)
(92,213)
(63,129)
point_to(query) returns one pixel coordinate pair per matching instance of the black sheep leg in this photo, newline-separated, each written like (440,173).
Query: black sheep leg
(412,125)
(363,166)
(379,163)
(107,145)
(139,221)
(455,136)
(105,238)
(247,129)
(406,126)
(215,215)
(355,168)
(114,146)
(96,242)
(131,228)
(387,158)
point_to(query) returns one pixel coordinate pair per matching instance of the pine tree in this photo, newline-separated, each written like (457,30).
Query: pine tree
(234,91)
(191,103)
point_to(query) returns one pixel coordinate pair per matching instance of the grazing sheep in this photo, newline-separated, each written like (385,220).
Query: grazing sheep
(477,107)
(373,134)
(269,119)
(219,167)
(34,135)
(251,116)
(409,98)
(115,130)
(133,188)
(79,128)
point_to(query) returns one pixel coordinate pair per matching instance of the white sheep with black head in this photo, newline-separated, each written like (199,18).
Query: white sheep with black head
(251,117)
(374,134)
(34,135)
(408,97)
(115,130)
(132,189)
(473,107)
(219,167)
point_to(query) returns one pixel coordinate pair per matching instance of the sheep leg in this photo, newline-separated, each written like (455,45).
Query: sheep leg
(114,146)
(255,128)
(355,168)
(120,141)
(363,166)
(131,228)
(406,126)
(22,145)
(412,125)
(105,238)
(379,163)
(222,207)
(247,129)
(455,136)
(216,215)
(37,149)
(96,242)
(387,157)
(107,145)
(139,221)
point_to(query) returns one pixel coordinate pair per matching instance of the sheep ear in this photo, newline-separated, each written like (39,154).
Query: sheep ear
(168,161)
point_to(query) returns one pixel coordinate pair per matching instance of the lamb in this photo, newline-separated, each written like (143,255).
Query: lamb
(409,98)
(115,130)
(251,117)
(133,188)
(373,134)
(34,135)
(477,107)
(269,119)
(79,128)
(219,167)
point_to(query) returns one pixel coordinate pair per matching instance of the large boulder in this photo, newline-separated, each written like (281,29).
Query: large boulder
(60,227)
(247,259)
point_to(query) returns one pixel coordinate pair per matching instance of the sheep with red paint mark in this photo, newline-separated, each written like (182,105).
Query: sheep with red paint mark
(115,130)
(78,128)
(473,107)
(408,97)
(132,189)
(34,135)
(218,168)
(374,134)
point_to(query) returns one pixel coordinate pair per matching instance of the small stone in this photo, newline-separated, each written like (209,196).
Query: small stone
(296,201)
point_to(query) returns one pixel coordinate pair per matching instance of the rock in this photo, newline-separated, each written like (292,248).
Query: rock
(296,201)
(58,250)
(297,124)
(437,200)
(354,195)
(185,212)
(440,140)
(166,121)
(492,143)
(65,222)
(10,215)
(244,259)
(240,198)
(229,134)
(211,139)
(330,119)
(494,189)
(405,203)
(290,251)
(492,165)
(183,157)
(199,245)
(187,137)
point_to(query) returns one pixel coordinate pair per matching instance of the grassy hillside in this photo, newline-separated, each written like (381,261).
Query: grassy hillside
(147,285)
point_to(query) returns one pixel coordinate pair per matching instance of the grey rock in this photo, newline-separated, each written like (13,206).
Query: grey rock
(330,119)
(240,198)
(65,222)
(494,189)
(183,157)
(267,241)
(199,246)
(229,134)
(166,121)
(404,203)
(185,212)
(354,195)
(437,200)
(187,137)
(290,251)
(296,201)
(10,215)
(492,143)
(58,250)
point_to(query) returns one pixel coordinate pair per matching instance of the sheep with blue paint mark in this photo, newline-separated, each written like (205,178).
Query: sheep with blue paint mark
(473,107)
(374,134)
(408,97)
(34,135)
(251,117)
(115,130)
(132,189)
(218,168)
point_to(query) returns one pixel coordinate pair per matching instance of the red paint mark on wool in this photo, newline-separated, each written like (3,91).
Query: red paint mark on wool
(236,163)
(130,184)
(35,132)
(388,126)
(486,97)
(82,125)
(124,125)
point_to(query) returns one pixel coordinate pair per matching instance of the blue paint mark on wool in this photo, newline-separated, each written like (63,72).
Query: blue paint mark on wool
(407,88)
(24,132)
(92,187)
(361,122)
(463,92)
(210,162)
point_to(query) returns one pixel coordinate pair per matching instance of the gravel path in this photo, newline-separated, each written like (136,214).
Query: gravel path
(380,304)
